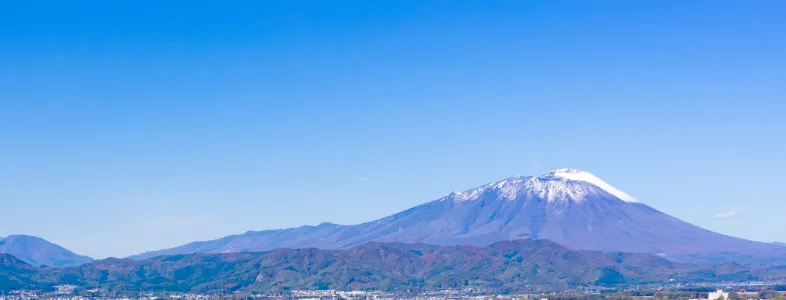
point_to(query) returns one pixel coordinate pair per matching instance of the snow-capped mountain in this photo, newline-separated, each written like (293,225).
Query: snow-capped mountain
(570,207)
(555,186)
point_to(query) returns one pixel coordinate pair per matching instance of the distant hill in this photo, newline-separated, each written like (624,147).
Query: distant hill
(17,274)
(507,266)
(571,207)
(37,251)
(779,244)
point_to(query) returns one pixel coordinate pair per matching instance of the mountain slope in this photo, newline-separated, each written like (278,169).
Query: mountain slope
(37,251)
(16,274)
(571,207)
(507,266)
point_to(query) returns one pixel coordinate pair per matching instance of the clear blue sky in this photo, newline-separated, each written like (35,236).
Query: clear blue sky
(128,126)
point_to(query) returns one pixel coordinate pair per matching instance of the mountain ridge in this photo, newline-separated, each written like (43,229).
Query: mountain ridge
(38,251)
(504,266)
(566,205)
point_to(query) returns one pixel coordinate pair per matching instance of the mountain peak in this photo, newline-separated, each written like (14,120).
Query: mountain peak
(565,172)
(37,251)
(23,237)
(556,186)
(584,176)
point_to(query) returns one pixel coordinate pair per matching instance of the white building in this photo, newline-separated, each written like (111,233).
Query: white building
(717,295)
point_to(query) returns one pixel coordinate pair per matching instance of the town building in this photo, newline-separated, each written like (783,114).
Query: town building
(719,294)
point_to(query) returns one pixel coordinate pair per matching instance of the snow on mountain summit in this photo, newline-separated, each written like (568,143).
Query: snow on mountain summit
(554,186)
(573,174)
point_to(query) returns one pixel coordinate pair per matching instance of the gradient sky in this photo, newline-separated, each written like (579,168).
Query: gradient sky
(128,126)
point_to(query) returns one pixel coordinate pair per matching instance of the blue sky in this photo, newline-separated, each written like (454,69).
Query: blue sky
(128,126)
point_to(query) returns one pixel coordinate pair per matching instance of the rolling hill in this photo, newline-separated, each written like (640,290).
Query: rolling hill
(506,266)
